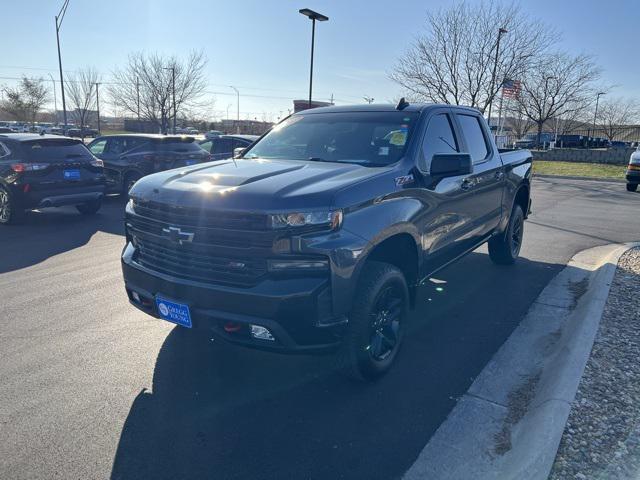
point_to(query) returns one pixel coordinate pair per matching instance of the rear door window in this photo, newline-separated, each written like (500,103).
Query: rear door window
(476,141)
(54,150)
(97,148)
(222,145)
(206,145)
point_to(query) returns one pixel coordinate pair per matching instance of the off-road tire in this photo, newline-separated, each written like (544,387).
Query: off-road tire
(505,248)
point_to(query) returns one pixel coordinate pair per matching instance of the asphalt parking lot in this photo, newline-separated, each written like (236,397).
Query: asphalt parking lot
(92,388)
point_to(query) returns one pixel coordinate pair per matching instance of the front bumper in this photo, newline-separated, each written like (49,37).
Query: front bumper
(297,311)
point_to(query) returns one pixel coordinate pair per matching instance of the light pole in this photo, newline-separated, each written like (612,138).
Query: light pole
(59,19)
(501,31)
(369,100)
(97,106)
(321,18)
(595,114)
(55,101)
(238,108)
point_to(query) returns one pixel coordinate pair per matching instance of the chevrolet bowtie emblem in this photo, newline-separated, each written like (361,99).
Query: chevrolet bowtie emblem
(177,235)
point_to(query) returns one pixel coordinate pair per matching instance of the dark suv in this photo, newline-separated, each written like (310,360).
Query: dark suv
(224,146)
(127,158)
(38,171)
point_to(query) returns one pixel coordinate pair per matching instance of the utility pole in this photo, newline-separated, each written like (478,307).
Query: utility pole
(173,81)
(59,19)
(501,31)
(138,98)
(238,108)
(97,106)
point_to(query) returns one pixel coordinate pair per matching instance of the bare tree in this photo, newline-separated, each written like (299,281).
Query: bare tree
(25,101)
(559,85)
(453,61)
(616,114)
(81,91)
(516,120)
(145,85)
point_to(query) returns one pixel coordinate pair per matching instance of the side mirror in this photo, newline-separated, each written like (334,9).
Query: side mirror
(451,164)
(237,152)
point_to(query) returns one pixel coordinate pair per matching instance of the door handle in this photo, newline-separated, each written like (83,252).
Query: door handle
(499,175)
(466,184)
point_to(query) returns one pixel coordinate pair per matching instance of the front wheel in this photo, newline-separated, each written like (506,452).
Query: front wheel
(504,249)
(632,187)
(90,208)
(376,323)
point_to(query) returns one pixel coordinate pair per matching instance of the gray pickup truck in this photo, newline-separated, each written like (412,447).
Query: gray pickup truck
(317,238)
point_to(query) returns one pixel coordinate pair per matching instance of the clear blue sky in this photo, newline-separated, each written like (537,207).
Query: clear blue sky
(262,47)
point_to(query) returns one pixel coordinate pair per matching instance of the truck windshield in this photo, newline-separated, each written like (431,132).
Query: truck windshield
(367,138)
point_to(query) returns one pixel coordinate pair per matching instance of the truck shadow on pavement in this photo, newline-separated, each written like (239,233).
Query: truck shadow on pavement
(216,411)
(52,231)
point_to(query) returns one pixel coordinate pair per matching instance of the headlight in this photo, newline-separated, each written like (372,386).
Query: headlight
(330,219)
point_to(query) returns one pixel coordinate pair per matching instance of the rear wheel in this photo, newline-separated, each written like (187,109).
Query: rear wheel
(90,208)
(129,180)
(376,323)
(9,212)
(632,187)
(504,249)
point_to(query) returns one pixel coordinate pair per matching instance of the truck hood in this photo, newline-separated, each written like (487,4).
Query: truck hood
(253,185)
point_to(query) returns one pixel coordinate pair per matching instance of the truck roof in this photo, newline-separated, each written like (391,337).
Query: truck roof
(383,107)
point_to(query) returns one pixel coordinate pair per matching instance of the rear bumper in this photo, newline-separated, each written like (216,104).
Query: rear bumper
(297,312)
(72,195)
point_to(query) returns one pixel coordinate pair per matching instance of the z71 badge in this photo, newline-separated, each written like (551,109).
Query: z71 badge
(404,180)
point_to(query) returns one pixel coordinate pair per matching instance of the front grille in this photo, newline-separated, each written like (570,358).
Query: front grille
(214,255)
(193,265)
(197,217)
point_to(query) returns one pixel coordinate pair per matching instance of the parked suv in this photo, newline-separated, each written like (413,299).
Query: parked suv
(223,146)
(319,236)
(633,171)
(127,158)
(38,171)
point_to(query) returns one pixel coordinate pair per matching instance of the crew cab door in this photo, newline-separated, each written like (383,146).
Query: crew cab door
(446,221)
(487,180)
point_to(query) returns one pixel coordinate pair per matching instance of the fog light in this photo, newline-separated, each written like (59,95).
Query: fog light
(262,333)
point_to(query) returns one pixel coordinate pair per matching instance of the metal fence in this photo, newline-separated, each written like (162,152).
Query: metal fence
(626,136)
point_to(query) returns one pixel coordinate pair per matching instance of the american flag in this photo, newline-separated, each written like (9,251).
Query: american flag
(511,88)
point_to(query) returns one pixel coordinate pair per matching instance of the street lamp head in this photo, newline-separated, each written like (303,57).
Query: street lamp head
(502,31)
(602,93)
(313,15)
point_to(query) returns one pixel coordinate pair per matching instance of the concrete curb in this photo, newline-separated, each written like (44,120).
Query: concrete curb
(575,177)
(509,423)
